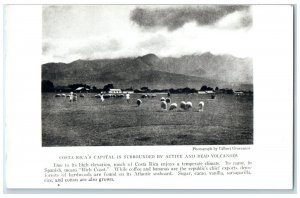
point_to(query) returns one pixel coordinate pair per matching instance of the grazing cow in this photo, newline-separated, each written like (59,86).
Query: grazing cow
(173,106)
(188,105)
(201,106)
(127,96)
(168,100)
(138,102)
(183,105)
(164,105)
(101,98)
(72,97)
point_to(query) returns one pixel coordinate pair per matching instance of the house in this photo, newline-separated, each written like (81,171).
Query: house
(201,92)
(80,89)
(239,93)
(210,92)
(128,92)
(225,91)
(115,91)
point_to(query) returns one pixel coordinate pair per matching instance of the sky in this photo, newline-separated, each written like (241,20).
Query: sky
(72,32)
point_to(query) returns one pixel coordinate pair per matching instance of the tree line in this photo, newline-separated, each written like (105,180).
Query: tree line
(48,86)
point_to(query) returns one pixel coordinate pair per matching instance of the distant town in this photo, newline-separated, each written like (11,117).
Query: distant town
(48,86)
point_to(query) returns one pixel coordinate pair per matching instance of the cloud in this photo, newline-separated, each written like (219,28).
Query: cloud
(236,20)
(155,43)
(46,47)
(95,46)
(97,32)
(246,21)
(173,18)
(67,50)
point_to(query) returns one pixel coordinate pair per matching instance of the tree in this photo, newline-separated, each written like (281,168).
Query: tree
(94,89)
(108,87)
(186,90)
(217,88)
(172,90)
(47,86)
(229,91)
(128,89)
(194,90)
(203,88)
(144,88)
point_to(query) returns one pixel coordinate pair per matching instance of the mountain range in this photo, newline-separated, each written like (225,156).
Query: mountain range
(155,72)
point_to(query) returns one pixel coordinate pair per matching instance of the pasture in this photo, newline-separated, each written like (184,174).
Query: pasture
(228,119)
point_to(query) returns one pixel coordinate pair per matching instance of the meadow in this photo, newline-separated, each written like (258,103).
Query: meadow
(227,119)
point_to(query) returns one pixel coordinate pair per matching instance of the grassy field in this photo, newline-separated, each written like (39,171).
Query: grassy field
(228,119)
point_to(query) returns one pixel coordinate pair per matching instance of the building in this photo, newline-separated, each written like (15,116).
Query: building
(82,89)
(201,92)
(210,92)
(239,93)
(115,91)
(128,92)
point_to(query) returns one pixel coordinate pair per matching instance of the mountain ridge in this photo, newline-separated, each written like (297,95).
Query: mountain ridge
(155,72)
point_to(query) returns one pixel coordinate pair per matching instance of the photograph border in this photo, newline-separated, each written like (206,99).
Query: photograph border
(177,191)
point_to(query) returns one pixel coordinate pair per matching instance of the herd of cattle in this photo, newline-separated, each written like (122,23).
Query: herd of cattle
(165,103)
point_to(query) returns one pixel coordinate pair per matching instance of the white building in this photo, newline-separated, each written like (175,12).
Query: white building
(115,91)
(239,93)
(128,92)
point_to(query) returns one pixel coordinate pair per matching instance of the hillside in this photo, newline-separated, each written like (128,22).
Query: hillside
(156,73)
(223,67)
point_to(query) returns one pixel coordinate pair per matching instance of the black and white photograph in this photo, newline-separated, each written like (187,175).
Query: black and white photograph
(134,75)
(154,98)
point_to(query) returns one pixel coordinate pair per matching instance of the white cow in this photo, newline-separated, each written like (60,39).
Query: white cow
(188,105)
(138,102)
(173,106)
(201,106)
(183,105)
(164,105)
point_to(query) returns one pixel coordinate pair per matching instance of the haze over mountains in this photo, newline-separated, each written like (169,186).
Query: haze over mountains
(156,73)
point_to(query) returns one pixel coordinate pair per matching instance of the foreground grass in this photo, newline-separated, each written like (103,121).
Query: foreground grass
(88,122)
